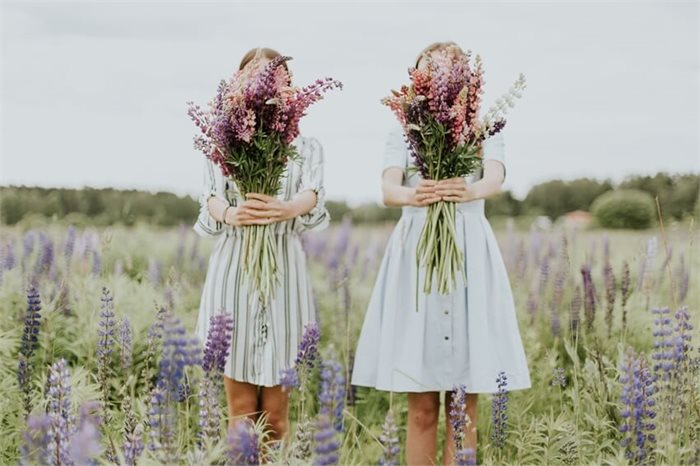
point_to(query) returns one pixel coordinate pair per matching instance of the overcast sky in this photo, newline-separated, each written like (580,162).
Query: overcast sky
(94,94)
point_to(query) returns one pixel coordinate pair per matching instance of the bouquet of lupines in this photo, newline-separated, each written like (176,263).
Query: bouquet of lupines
(439,113)
(247,131)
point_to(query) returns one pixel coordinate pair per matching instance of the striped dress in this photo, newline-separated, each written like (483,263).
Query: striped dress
(265,338)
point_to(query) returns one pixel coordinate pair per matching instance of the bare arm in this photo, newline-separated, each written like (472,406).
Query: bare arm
(457,189)
(396,195)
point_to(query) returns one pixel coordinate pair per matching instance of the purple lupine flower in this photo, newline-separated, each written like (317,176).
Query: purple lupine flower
(465,457)
(458,415)
(499,411)
(30,343)
(307,351)
(289,379)
(35,440)
(682,337)
(637,399)
(558,297)
(589,296)
(521,261)
(209,409)
(390,441)
(575,309)
(625,291)
(169,296)
(243,444)
(96,262)
(85,442)
(45,259)
(332,395)
(327,445)
(179,352)
(133,434)
(125,337)
(59,411)
(663,344)
(161,426)
(532,305)
(218,342)
(69,246)
(340,248)
(105,344)
(9,259)
(28,247)
(558,378)
(647,264)
(610,292)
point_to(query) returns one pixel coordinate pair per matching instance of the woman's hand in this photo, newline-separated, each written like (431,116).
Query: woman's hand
(260,209)
(454,190)
(423,194)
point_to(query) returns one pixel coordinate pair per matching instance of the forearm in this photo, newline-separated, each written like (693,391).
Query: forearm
(303,203)
(484,188)
(395,195)
(217,206)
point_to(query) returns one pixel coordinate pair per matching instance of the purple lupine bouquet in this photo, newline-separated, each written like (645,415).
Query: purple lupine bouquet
(439,113)
(248,131)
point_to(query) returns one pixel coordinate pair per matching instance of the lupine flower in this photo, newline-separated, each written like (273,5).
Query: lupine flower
(499,412)
(663,344)
(59,411)
(179,352)
(458,415)
(647,264)
(28,247)
(209,409)
(289,378)
(301,447)
(637,399)
(307,354)
(243,446)
(625,291)
(575,309)
(96,263)
(390,441)
(465,457)
(326,441)
(558,378)
(161,426)
(9,260)
(610,291)
(558,297)
(70,244)
(30,342)
(35,440)
(133,434)
(682,279)
(85,442)
(332,395)
(125,335)
(105,344)
(589,296)
(218,342)
(682,336)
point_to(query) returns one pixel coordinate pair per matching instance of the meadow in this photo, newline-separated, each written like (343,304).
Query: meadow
(98,365)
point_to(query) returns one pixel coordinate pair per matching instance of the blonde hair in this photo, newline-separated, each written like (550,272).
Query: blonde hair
(258,52)
(435,46)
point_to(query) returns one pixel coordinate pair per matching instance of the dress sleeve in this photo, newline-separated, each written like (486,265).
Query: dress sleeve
(206,225)
(494,149)
(311,178)
(394,150)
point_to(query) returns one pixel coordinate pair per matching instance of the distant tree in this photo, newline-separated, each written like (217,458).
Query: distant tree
(624,208)
(557,197)
(503,204)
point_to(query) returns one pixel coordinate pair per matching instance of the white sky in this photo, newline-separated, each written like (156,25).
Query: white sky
(94,94)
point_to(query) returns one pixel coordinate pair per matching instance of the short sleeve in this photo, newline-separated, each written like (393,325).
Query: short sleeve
(395,150)
(494,149)
(206,225)
(311,178)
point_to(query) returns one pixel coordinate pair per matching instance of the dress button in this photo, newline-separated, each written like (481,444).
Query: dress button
(447,338)
(446,312)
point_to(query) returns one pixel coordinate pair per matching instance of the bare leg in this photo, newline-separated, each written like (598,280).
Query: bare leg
(274,403)
(469,430)
(242,400)
(421,439)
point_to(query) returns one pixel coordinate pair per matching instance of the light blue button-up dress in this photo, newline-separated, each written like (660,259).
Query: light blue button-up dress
(466,337)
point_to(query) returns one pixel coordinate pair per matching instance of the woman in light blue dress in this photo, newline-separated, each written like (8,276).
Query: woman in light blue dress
(464,338)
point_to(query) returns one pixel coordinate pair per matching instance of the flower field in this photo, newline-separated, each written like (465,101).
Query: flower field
(99,364)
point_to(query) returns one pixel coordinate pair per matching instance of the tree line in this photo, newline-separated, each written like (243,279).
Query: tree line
(677,194)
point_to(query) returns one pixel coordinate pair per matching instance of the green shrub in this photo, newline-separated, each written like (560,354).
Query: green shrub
(624,208)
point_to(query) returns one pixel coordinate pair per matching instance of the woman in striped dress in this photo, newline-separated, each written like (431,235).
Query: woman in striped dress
(265,338)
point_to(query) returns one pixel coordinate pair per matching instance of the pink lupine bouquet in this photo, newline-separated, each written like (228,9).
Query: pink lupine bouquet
(248,131)
(439,113)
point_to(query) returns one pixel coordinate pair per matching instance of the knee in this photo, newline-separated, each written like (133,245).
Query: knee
(244,407)
(277,421)
(424,416)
